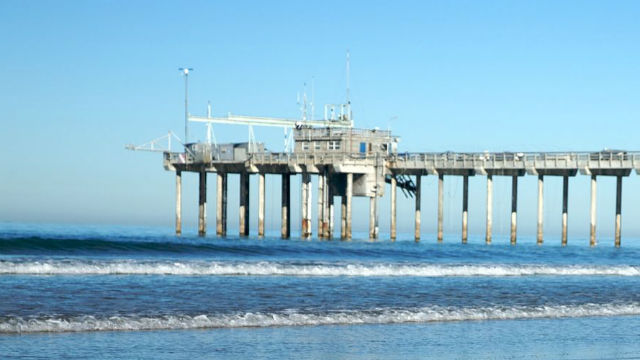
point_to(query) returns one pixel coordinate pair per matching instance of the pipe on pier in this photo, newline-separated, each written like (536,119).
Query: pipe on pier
(592,239)
(349,203)
(202,204)
(261,203)
(565,205)
(285,228)
(244,204)
(418,217)
(514,209)
(489,208)
(393,208)
(178,202)
(540,209)
(618,209)
(440,206)
(465,207)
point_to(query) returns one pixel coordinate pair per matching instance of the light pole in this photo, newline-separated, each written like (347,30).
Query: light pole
(185,72)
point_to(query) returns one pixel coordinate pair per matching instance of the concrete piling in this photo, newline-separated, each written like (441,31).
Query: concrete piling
(592,212)
(285,228)
(343,217)
(306,205)
(261,203)
(489,208)
(321,205)
(393,208)
(565,205)
(221,202)
(440,206)
(372,217)
(178,203)
(540,209)
(465,207)
(244,204)
(349,194)
(417,215)
(514,209)
(618,210)
(202,204)
(329,215)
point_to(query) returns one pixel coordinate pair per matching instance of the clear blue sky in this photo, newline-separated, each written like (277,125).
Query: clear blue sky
(81,79)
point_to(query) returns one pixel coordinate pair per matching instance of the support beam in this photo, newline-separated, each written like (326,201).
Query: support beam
(540,209)
(329,220)
(394,187)
(372,217)
(418,216)
(178,202)
(343,217)
(618,209)
(592,238)
(261,203)
(489,208)
(440,206)
(285,228)
(221,203)
(465,208)
(514,209)
(565,205)
(244,204)
(202,205)
(321,205)
(349,203)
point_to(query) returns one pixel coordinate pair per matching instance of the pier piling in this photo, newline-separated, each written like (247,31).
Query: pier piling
(349,191)
(540,209)
(418,219)
(489,208)
(329,221)
(244,204)
(592,212)
(514,209)
(321,204)
(202,204)
(465,207)
(618,209)
(343,217)
(221,204)
(285,228)
(261,203)
(440,206)
(178,203)
(392,229)
(565,205)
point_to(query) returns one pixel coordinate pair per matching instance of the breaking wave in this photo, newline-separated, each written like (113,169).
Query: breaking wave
(18,325)
(271,268)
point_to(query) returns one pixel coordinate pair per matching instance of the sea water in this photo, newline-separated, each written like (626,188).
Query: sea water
(131,292)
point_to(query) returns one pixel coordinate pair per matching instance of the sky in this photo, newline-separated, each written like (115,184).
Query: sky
(82,79)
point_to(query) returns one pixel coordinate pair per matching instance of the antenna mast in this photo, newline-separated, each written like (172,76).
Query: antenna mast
(185,72)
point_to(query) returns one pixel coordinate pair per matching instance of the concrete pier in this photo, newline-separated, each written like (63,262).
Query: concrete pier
(394,191)
(285,227)
(372,217)
(261,203)
(440,206)
(618,209)
(565,205)
(349,195)
(305,207)
(244,204)
(465,207)
(514,209)
(221,204)
(489,208)
(178,203)
(592,212)
(331,209)
(418,216)
(539,238)
(202,204)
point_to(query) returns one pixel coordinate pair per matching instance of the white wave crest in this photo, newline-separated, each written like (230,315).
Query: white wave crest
(268,268)
(292,318)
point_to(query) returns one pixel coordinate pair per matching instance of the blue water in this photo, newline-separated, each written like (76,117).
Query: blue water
(129,292)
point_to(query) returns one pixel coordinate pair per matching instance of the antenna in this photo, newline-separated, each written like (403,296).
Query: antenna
(185,72)
(313,97)
(348,66)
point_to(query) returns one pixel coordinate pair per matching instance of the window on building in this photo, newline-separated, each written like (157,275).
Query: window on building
(333,145)
(305,146)
(317,145)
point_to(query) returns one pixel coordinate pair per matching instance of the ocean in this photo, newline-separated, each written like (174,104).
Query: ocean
(112,292)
